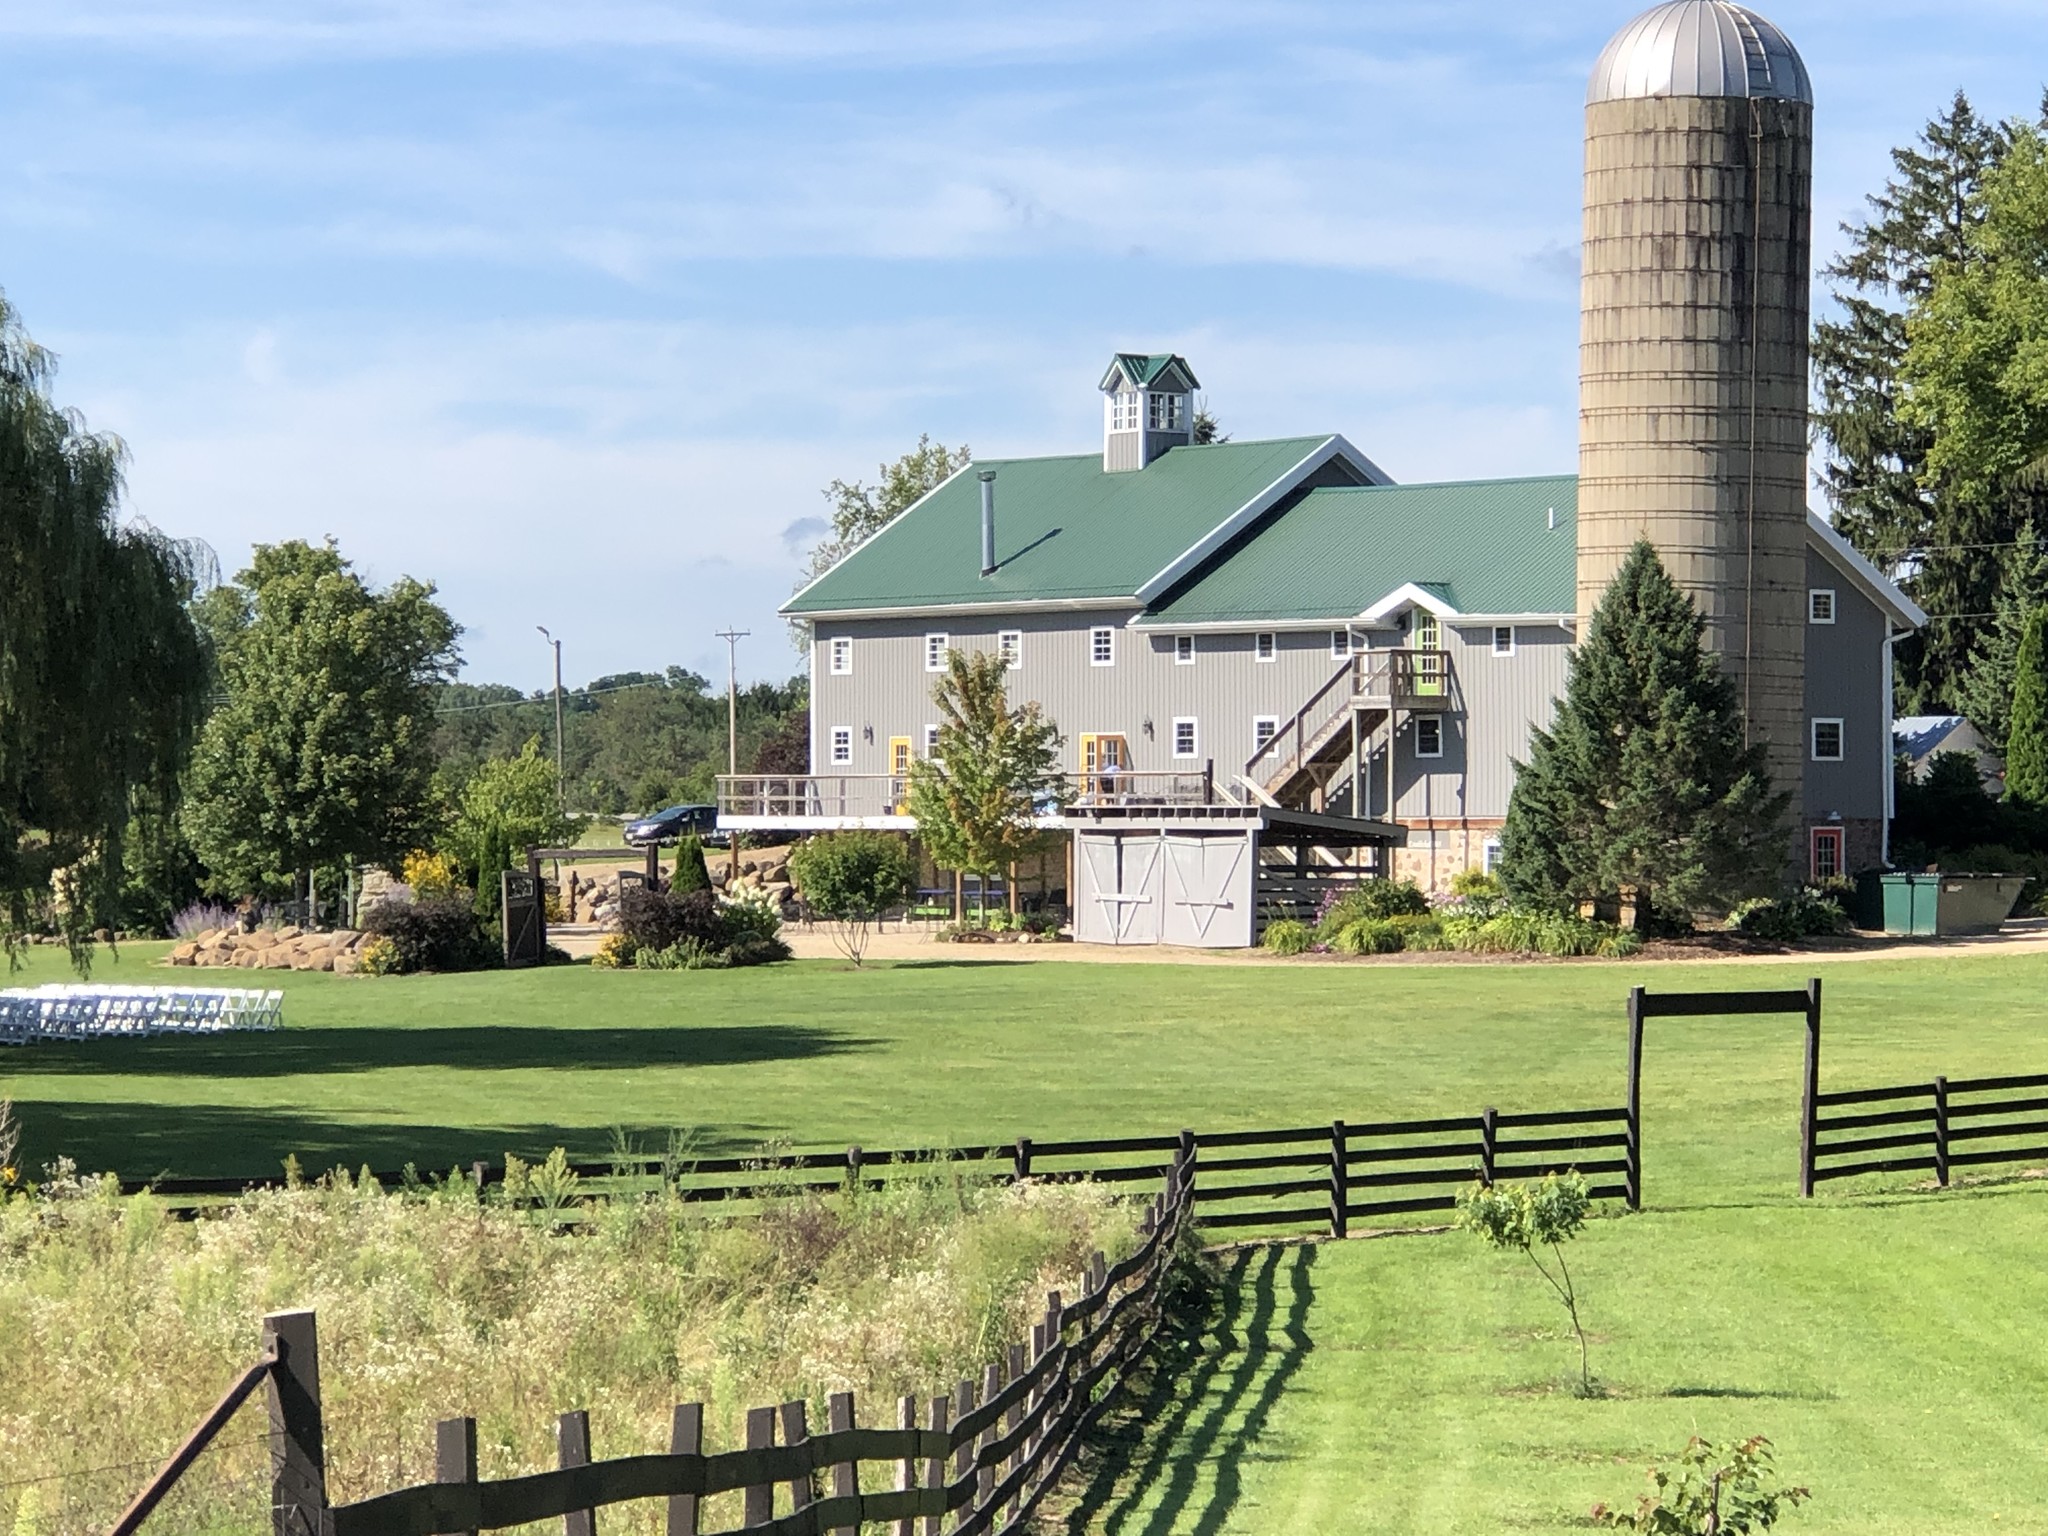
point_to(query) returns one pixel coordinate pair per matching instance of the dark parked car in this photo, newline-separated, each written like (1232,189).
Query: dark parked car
(675,824)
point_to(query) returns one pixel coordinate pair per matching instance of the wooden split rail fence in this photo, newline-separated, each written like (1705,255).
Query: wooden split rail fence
(1322,1176)
(1929,1127)
(978,1459)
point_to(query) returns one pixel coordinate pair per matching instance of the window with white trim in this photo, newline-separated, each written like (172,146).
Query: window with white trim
(1168,413)
(1183,650)
(1102,646)
(1010,646)
(931,742)
(1429,735)
(935,648)
(1489,856)
(842,656)
(1340,644)
(1124,411)
(1264,729)
(1266,646)
(1186,738)
(1503,639)
(1827,740)
(1820,605)
(842,745)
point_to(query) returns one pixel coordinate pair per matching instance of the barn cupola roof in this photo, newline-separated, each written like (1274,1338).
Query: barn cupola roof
(1148,406)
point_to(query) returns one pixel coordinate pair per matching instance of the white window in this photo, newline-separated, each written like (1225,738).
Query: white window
(1265,647)
(1820,605)
(1827,741)
(1102,647)
(1123,411)
(1169,413)
(1185,738)
(931,742)
(842,745)
(1264,729)
(842,656)
(1340,644)
(1010,646)
(1183,650)
(1503,639)
(1489,855)
(1429,735)
(935,648)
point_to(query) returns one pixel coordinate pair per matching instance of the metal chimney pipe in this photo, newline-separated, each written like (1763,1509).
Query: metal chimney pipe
(988,522)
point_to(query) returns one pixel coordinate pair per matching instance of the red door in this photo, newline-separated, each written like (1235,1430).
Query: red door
(1825,861)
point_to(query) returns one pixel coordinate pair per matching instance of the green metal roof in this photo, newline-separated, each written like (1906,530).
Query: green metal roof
(1483,546)
(1065,529)
(1142,368)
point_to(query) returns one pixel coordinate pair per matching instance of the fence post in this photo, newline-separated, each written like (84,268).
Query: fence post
(1340,1188)
(298,1445)
(991,1385)
(1632,1175)
(1022,1159)
(759,1499)
(455,1455)
(906,1469)
(685,1438)
(1020,1361)
(796,1430)
(572,1447)
(964,1402)
(1941,1131)
(845,1474)
(1809,1115)
(935,1466)
(853,1162)
(1488,1138)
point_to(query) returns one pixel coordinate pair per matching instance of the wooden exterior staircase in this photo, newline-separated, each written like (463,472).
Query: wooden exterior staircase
(1296,768)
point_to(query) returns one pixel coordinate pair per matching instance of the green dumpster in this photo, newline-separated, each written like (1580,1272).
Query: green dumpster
(1940,904)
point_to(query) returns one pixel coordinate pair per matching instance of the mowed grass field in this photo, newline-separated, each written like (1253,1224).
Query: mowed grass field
(1893,1342)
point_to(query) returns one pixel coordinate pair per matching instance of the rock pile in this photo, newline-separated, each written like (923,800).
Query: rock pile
(273,949)
(594,898)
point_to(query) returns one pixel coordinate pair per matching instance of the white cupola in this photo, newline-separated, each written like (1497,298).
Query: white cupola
(1148,406)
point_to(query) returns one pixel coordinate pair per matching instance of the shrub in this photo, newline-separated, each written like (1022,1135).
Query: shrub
(690,873)
(378,956)
(615,952)
(685,955)
(852,878)
(430,874)
(1287,937)
(203,917)
(1803,916)
(1422,932)
(1733,1491)
(437,933)
(1367,936)
(1476,892)
(751,913)
(661,919)
(1378,899)
(1533,931)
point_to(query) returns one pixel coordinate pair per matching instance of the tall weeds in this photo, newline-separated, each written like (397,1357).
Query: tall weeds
(119,1327)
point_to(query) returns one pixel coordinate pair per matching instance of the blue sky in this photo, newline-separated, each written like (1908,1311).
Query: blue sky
(573,308)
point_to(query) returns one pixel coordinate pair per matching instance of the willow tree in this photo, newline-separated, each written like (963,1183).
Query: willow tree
(103,675)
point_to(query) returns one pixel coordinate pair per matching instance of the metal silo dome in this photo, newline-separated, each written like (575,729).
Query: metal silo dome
(1700,48)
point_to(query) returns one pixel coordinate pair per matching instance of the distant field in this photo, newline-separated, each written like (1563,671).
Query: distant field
(442,1070)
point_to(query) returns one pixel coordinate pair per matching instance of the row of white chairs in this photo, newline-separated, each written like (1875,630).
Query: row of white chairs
(86,1011)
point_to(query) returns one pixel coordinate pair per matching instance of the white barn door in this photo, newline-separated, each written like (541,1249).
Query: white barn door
(1121,888)
(1208,891)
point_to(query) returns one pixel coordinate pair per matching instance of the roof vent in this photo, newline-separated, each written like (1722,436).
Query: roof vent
(988,522)
(1148,406)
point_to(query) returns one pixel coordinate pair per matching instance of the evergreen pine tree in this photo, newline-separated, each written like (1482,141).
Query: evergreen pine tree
(2026,753)
(1985,693)
(1873,462)
(1642,782)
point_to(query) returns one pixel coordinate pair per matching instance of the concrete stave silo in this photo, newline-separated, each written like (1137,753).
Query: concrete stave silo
(1693,338)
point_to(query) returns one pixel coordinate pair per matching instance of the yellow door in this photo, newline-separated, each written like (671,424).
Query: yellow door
(899,769)
(1429,661)
(1103,757)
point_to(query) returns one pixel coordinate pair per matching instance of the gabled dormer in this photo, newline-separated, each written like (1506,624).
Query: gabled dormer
(1148,406)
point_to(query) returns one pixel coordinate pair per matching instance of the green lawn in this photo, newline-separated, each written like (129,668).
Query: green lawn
(1891,1342)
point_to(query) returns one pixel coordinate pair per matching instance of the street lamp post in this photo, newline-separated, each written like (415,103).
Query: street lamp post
(732,639)
(561,782)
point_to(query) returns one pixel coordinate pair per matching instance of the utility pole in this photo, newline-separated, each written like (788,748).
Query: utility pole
(561,782)
(732,639)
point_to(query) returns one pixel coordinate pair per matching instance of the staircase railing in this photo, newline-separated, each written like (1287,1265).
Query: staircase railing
(1290,743)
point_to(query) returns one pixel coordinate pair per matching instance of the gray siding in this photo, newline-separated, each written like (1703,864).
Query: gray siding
(1224,690)
(1845,679)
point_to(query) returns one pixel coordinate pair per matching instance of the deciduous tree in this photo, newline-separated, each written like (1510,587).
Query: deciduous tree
(103,675)
(851,879)
(859,510)
(1642,782)
(320,751)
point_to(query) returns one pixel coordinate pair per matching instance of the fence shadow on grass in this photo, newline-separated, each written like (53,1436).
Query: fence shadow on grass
(1204,1404)
(475,1047)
